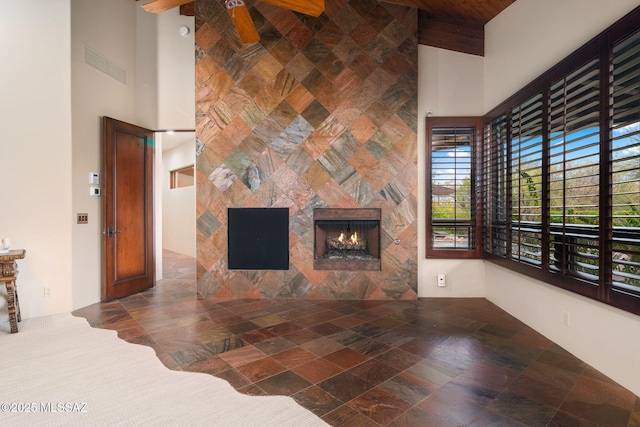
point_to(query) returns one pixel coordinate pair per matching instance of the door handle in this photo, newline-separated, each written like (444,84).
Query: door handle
(110,232)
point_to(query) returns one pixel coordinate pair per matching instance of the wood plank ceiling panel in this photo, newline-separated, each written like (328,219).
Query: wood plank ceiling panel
(479,11)
(453,24)
(448,24)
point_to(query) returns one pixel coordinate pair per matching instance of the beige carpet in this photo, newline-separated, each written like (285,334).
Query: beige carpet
(90,377)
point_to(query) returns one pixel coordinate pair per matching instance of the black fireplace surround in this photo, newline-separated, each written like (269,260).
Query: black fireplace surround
(258,238)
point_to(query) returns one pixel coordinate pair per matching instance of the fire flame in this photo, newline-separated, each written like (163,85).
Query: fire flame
(353,239)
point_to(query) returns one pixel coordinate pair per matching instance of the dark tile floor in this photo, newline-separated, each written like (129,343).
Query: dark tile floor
(432,362)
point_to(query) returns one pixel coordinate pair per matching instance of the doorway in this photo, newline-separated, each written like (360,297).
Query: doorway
(175,213)
(128,256)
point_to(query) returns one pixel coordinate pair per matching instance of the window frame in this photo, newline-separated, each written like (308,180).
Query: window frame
(475,222)
(175,177)
(603,288)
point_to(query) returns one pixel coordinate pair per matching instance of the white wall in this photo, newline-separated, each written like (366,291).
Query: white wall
(147,112)
(179,204)
(176,72)
(449,84)
(602,336)
(517,51)
(531,36)
(147,69)
(35,150)
(126,35)
(108,28)
(175,216)
(165,83)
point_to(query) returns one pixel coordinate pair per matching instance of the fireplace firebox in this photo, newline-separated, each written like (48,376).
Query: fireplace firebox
(347,239)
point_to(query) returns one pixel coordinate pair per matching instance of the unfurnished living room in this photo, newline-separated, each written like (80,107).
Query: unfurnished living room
(327,212)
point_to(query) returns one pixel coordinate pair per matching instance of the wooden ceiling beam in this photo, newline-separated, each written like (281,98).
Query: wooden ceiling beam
(159,6)
(188,9)
(244,24)
(450,33)
(308,7)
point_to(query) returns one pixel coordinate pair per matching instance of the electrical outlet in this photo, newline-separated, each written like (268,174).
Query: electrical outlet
(47,292)
(83,218)
(441,280)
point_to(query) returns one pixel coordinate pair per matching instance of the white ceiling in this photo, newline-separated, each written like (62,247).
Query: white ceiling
(171,141)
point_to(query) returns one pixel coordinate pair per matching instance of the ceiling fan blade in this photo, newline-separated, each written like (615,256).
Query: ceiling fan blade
(159,6)
(244,24)
(308,7)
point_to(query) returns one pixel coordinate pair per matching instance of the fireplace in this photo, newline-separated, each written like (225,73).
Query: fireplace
(346,239)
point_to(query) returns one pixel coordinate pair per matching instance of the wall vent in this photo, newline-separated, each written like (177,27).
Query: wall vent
(101,63)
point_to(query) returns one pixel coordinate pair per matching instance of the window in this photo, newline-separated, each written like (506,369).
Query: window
(452,153)
(525,178)
(561,173)
(624,154)
(183,177)
(574,175)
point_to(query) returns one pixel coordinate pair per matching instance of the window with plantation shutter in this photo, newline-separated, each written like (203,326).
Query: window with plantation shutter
(494,187)
(625,167)
(574,173)
(525,162)
(452,212)
(561,172)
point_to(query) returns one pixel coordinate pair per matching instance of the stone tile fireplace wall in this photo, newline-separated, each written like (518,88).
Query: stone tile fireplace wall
(321,113)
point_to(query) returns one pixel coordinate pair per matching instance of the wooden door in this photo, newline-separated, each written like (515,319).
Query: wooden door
(128,261)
